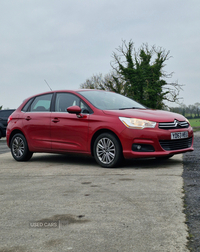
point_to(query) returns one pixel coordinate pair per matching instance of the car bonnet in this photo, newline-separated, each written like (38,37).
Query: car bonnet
(147,114)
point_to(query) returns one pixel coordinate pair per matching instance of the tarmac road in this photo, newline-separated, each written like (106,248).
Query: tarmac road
(3,146)
(63,203)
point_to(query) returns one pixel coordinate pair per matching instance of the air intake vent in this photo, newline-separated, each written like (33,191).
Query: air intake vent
(176,144)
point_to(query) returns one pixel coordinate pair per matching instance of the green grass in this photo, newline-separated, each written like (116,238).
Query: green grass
(195,122)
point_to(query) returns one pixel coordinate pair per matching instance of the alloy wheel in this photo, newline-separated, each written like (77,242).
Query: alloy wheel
(18,147)
(105,150)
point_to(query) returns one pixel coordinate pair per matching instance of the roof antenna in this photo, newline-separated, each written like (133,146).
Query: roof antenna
(48,85)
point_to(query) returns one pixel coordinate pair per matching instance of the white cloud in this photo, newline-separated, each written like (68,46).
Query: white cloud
(66,42)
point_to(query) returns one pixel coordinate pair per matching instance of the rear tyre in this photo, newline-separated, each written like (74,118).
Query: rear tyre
(0,134)
(19,148)
(107,150)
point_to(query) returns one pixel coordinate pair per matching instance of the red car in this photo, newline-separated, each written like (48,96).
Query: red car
(103,124)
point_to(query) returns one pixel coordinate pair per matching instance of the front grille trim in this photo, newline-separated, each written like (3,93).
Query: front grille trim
(173,125)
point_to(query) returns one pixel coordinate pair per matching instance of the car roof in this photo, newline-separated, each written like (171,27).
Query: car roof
(64,90)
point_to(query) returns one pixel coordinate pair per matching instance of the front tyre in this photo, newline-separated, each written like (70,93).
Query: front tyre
(107,150)
(19,148)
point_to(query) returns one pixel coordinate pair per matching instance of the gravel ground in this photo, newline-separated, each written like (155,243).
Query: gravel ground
(191,176)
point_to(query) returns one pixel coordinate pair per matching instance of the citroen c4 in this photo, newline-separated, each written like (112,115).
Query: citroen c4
(106,125)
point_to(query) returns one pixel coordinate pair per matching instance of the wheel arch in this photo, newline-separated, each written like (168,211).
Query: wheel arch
(13,133)
(97,133)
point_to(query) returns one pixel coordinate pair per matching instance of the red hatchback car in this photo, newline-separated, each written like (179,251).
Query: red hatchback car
(103,124)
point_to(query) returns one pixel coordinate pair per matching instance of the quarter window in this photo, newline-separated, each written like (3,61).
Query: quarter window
(27,105)
(84,108)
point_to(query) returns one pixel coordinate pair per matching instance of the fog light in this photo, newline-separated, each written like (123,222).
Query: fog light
(142,148)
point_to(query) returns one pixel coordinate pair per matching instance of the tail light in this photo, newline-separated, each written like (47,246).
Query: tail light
(9,118)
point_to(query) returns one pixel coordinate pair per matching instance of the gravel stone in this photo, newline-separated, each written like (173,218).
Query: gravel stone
(191,176)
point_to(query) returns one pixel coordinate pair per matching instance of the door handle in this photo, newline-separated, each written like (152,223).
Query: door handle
(28,118)
(55,120)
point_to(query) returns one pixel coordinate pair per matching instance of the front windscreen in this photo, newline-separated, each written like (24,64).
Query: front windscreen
(109,100)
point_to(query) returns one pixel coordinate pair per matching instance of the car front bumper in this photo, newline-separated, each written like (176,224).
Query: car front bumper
(154,142)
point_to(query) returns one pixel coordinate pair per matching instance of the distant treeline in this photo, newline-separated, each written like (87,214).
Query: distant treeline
(190,111)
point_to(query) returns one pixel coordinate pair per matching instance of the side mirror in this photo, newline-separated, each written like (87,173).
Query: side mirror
(74,110)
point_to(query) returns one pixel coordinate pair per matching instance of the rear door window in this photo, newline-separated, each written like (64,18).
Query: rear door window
(41,103)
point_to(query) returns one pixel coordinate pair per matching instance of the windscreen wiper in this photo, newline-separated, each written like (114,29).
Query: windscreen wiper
(128,108)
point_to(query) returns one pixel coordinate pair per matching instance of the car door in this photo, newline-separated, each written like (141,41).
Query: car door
(36,123)
(68,131)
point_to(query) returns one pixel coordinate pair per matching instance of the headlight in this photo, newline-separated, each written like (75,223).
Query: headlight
(187,121)
(135,123)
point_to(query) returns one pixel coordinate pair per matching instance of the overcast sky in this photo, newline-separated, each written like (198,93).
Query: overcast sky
(67,41)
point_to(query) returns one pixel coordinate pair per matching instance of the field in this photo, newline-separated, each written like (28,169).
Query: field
(195,123)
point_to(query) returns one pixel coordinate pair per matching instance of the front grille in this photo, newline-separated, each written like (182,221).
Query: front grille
(176,144)
(173,125)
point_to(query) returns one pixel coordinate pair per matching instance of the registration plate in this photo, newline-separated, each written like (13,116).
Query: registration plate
(179,135)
